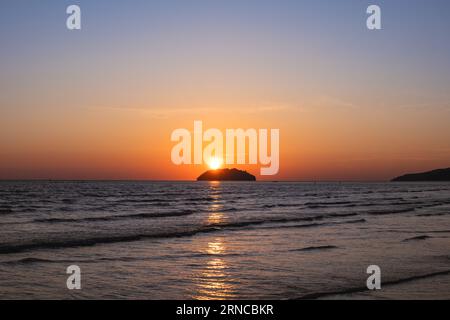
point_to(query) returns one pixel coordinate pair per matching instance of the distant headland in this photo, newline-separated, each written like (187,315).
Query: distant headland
(226,175)
(435,175)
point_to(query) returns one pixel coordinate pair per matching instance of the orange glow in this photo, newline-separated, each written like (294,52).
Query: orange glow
(108,143)
(215,163)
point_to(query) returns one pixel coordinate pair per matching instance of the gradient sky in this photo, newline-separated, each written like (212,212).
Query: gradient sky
(101,103)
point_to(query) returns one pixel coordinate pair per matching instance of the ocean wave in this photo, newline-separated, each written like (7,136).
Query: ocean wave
(337,215)
(282,205)
(231,209)
(69,201)
(144,201)
(311,225)
(439,214)
(327,203)
(58,244)
(202,199)
(288,205)
(32,260)
(205,254)
(423,237)
(390,211)
(25,210)
(317,295)
(435,204)
(365,204)
(118,217)
(29,261)
(329,247)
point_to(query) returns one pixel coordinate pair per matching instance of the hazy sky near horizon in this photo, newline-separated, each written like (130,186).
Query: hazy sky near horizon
(101,103)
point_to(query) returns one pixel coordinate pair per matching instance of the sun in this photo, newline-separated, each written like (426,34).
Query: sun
(215,163)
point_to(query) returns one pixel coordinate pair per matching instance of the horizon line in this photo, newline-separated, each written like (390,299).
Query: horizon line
(192,180)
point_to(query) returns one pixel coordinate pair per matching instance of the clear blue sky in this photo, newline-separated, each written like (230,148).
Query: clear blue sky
(172,34)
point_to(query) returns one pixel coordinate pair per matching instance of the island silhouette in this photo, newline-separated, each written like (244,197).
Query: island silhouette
(226,175)
(434,175)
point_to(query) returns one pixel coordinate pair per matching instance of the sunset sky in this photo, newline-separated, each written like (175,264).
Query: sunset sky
(102,102)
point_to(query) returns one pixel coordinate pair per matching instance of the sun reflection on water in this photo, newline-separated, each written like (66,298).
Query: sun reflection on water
(215,247)
(214,280)
(215,218)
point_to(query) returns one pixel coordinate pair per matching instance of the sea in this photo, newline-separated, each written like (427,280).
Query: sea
(224,240)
